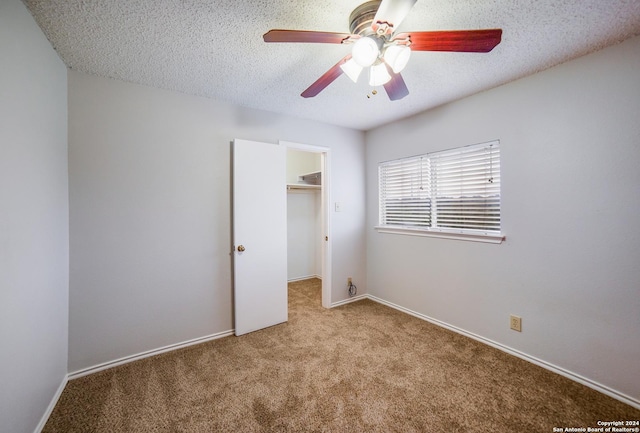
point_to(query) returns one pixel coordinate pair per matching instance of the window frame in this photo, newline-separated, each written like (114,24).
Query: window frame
(468,234)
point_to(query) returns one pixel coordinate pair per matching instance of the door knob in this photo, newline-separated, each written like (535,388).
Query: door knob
(240,248)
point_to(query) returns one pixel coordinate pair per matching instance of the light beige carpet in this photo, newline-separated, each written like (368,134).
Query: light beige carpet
(362,367)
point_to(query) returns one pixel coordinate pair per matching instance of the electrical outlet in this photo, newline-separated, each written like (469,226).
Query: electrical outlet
(516,323)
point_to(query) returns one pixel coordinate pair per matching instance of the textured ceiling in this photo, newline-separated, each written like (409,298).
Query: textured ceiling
(215,48)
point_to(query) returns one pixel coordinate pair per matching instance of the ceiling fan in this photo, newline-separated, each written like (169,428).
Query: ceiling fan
(377,46)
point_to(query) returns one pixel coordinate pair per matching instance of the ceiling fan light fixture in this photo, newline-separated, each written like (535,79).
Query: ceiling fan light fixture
(378,74)
(378,48)
(397,56)
(352,70)
(365,52)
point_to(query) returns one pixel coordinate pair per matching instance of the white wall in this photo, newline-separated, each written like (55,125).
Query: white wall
(34,221)
(301,162)
(304,234)
(570,210)
(150,213)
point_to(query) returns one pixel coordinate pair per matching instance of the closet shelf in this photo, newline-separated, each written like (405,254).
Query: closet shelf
(307,181)
(314,178)
(302,186)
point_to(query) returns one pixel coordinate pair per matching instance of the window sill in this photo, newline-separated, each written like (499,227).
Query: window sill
(486,238)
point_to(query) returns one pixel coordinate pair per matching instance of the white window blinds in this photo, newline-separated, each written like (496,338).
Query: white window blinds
(456,190)
(405,192)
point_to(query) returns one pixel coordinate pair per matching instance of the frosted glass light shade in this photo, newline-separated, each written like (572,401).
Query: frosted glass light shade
(397,56)
(365,52)
(351,69)
(378,75)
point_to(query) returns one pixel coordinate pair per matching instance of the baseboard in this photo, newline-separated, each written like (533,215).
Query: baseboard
(147,354)
(304,278)
(348,300)
(52,404)
(539,362)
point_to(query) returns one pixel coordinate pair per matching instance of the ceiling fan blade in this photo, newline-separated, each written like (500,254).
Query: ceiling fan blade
(278,35)
(392,12)
(396,87)
(326,79)
(470,41)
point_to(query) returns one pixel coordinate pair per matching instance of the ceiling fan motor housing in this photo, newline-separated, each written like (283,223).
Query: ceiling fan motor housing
(362,17)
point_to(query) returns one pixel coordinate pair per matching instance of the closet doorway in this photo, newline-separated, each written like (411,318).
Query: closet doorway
(308,217)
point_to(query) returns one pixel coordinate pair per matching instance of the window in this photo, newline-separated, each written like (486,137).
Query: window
(454,193)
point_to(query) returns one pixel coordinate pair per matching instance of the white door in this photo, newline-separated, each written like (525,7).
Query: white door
(259,235)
